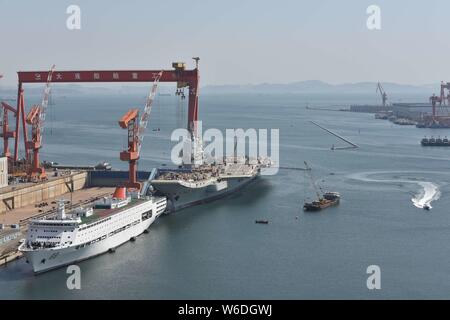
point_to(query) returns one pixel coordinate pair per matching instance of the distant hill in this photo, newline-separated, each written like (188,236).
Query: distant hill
(309,87)
(317,86)
(77,89)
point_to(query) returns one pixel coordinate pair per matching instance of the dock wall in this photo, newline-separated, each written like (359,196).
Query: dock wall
(113,178)
(369,108)
(18,196)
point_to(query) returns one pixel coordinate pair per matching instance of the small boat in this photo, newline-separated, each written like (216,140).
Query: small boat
(426,207)
(262,221)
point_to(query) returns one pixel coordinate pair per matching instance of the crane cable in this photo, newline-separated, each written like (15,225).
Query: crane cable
(143,121)
(44,104)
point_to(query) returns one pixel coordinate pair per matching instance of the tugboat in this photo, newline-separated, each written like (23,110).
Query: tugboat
(328,199)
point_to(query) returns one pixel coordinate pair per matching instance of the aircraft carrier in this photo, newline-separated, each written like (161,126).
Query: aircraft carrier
(191,185)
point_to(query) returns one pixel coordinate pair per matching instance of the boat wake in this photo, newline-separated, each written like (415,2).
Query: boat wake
(429,191)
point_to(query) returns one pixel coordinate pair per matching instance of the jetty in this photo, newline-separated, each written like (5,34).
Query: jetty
(353,145)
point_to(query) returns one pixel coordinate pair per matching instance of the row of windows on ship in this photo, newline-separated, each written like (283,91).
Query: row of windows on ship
(109,234)
(145,216)
(102,221)
(44,224)
(87,227)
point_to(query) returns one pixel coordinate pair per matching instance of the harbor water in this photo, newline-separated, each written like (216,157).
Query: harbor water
(216,251)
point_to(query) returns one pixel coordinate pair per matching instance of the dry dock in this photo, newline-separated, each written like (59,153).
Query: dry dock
(22,194)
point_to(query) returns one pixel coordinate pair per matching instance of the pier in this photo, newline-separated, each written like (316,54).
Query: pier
(353,145)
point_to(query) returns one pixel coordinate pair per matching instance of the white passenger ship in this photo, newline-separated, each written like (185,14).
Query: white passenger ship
(87,231)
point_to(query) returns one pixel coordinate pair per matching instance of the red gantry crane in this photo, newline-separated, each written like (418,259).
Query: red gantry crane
(36,118)
(183,78)
(136,134)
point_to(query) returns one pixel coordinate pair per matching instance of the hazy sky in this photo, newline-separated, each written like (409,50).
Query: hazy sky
(239,42)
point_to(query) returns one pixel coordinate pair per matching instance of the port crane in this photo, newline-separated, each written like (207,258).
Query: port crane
(434,99)
(444,86)
(18,169)
(382,93)
(5,132)
(36,118)
(136,129)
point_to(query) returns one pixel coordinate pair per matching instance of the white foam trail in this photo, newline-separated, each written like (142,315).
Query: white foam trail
(429,192)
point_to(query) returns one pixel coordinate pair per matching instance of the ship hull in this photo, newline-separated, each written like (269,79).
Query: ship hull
(52,258)
(180,196)
(310,207)
(435,144)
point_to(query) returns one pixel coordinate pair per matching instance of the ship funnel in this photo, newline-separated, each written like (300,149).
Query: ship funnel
(61,209)
(120,193)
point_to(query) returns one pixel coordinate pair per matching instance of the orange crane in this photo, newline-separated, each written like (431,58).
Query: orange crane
(15,169)
(136,135)
(382,93)
(36,118)
(5,133)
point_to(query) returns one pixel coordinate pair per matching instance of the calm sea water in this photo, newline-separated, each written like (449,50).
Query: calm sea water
(216,251)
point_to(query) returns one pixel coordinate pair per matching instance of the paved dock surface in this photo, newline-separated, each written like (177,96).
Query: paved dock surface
(16,216)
